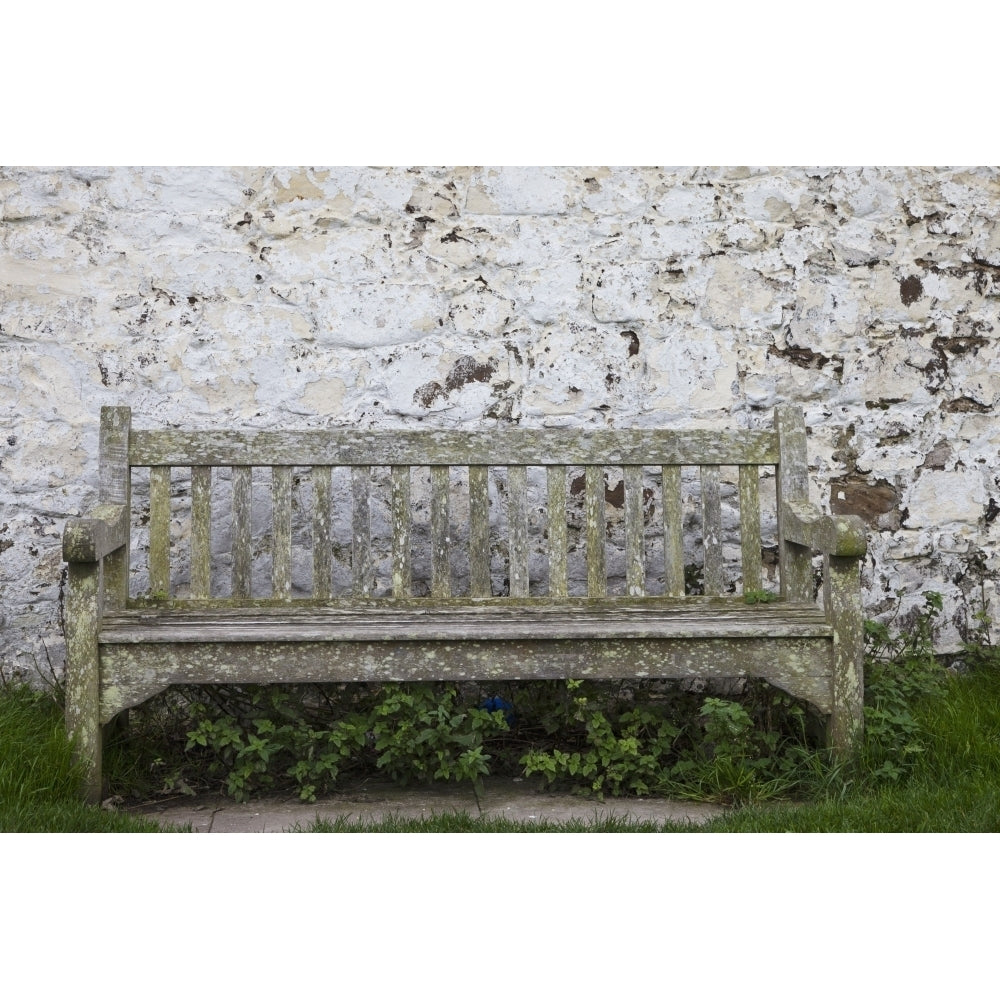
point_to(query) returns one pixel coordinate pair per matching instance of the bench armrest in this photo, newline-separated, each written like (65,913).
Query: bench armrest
(90,539)
(840,535)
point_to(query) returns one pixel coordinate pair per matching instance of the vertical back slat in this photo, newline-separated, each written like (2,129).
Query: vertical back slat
(281,555)
(635,567)
(711,515)
(242,562)
(795,561)
(322,540)
(201,531)
(116,487)
(361,532)
(159,531)
(750,526)
(402,574)
(440,534)
(597,581)
(673,534)
(558,582)
(479,531)
(517,486)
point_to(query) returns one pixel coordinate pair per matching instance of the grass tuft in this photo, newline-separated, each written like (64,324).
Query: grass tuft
(39,781)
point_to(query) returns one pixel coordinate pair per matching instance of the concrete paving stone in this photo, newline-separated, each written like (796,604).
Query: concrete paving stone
(512,798)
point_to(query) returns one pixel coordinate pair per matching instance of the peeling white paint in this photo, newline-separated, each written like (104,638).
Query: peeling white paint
(589,296)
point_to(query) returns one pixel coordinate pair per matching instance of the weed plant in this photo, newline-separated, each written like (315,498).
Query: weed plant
(597,739)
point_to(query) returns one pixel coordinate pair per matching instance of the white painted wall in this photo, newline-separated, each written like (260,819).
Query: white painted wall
(466,296)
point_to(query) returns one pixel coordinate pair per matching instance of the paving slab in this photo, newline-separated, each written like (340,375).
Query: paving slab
(512,798)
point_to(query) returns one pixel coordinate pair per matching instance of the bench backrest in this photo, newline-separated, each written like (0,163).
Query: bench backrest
(330,514)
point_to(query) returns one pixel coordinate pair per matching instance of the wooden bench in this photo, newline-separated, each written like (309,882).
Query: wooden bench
(361,555)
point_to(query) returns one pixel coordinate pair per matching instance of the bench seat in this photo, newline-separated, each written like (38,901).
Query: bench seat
(690,618)
(143,652)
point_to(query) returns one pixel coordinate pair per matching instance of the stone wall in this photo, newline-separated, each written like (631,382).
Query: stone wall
(537,296)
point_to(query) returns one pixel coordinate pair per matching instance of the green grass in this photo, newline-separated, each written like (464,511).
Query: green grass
(953,782)
(463,822)
(39,783)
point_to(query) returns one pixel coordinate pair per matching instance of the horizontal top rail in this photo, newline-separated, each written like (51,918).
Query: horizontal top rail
(511,446)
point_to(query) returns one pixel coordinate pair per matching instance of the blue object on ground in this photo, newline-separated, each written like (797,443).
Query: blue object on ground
(497,704)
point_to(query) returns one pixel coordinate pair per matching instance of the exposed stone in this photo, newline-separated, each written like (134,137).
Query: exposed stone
(876,503)
(910,289)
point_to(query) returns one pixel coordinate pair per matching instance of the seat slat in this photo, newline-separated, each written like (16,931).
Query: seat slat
(692,618)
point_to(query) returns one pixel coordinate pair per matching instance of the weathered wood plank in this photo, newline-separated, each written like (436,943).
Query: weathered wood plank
(159,531)
(457,618)
(201,531)
(512,446)
(794,561)
(322,538)
(361,531)
(517,487)
(241,530)
(842,535)
(92,538)
(479,531)
(83,672)
(541,608)
(115,488)
(132,673)
(711,519)
(281,553)
(597,578)
(842,602)
(750,527)
(402,573)
(558,531)
(440,531)
(673,531)
(635,562)
(113,454)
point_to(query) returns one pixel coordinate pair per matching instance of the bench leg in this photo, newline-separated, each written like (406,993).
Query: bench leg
(842,598)
(83,720)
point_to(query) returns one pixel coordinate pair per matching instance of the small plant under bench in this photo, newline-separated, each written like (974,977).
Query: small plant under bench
(316,556)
